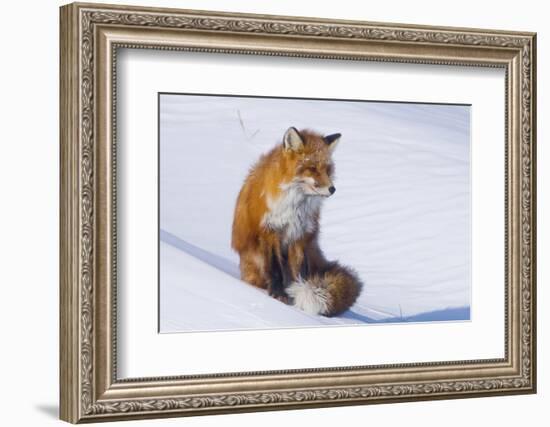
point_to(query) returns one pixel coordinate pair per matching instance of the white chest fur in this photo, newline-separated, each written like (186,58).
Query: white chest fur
(292,213)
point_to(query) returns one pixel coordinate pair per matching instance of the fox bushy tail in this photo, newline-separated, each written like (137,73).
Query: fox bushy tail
(328,292)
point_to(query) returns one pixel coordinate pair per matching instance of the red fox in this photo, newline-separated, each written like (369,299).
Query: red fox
(276,226)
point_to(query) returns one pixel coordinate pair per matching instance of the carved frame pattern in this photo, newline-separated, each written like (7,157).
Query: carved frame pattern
(80,23)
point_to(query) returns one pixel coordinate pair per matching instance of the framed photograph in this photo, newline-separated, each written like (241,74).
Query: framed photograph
(267,212)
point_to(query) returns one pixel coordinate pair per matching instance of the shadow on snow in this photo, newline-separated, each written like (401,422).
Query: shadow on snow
(230,268)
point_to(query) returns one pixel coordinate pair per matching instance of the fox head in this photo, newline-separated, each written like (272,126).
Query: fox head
(309,156)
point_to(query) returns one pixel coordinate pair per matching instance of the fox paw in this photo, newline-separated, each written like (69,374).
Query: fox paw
(279,294)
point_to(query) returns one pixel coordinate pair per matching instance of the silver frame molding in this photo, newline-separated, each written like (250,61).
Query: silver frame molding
(90,37)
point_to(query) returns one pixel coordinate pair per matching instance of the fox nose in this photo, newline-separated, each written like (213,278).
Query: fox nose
(331,189)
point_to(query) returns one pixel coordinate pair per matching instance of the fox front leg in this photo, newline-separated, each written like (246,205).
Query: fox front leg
(297,262)
(280,275)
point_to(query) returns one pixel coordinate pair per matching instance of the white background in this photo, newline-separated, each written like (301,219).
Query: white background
(29,226)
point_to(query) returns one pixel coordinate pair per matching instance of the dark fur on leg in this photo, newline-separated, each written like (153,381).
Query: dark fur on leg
(279,275)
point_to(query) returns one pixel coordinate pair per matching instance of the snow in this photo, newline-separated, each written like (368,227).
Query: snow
(400,216)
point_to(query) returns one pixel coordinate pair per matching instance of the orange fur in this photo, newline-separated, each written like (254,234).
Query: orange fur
(260,246)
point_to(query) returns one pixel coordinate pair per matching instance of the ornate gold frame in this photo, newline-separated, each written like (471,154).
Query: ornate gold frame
(90,36)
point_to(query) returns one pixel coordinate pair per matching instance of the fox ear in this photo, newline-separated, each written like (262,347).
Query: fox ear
(292,140)
(332,140)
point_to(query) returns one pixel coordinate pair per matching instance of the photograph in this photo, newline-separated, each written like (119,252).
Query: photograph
(269,210)
(307,212)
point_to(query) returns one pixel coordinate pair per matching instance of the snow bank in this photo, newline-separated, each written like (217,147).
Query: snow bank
(400,217)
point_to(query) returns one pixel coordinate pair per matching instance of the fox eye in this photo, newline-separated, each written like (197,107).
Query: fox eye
(312,169)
